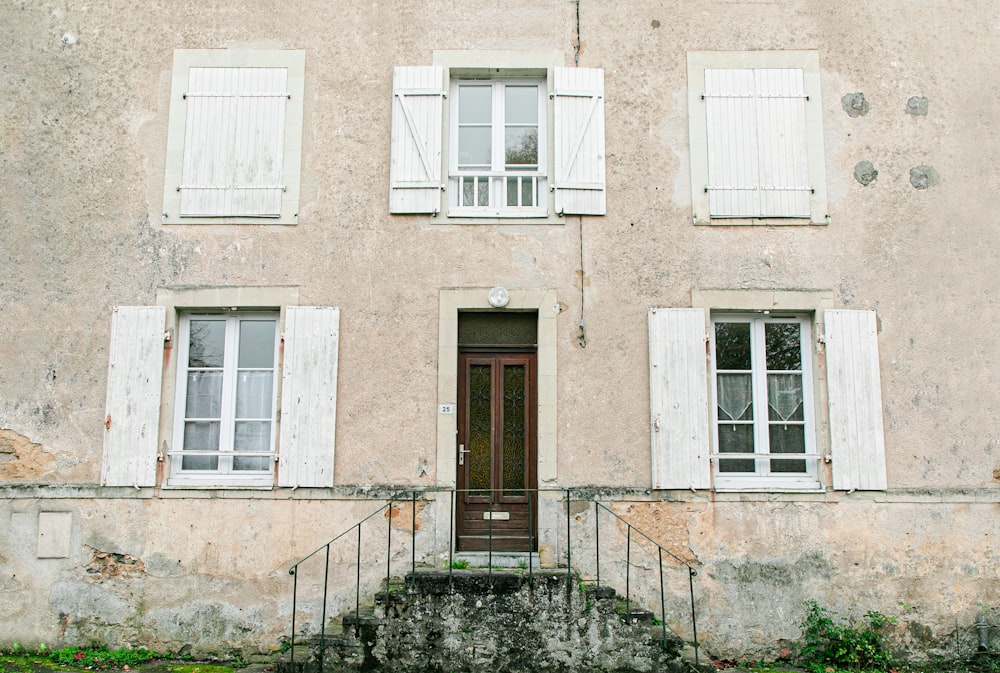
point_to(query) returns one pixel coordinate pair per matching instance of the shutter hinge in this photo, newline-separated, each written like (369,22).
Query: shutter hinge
(656,423)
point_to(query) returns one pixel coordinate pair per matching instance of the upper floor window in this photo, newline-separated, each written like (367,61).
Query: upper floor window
(756,138)
(763,401)
(234,138)
(521,137)
(499,166)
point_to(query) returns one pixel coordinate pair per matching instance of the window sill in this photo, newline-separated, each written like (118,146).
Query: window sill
(460,218)
(760,222)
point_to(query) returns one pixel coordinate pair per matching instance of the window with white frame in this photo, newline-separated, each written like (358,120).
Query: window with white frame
(741,414)
(219,426)
(498,132)
(756,137)
(226,394)
(234,136)
(521,137)
(761,367)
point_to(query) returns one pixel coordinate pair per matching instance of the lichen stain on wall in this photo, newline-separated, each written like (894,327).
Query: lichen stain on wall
(22,459)
(664,523)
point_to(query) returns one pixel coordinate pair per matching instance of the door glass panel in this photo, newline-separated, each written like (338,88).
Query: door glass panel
(480,426)
(496,328)
(514,435)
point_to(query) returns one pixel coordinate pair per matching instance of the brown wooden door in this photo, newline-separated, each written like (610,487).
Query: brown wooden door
(497,469)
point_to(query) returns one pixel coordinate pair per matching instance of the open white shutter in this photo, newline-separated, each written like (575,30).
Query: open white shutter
(132,414)
(757,161)
(678,392)
(415,163)
(857,443)
(309,396)
(234,142)
(579,179)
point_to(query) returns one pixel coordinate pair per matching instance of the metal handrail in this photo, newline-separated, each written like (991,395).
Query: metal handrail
(411,495)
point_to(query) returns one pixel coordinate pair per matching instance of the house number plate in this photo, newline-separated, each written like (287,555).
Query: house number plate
(497,516)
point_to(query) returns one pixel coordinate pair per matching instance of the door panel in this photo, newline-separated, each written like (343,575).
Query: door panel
(496,452)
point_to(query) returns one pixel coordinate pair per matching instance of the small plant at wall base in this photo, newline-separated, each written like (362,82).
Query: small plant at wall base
(828,641)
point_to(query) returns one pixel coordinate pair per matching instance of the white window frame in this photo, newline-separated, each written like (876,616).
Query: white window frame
(762,477)
(224,474)
(185,59)
(498,174)
(808,63)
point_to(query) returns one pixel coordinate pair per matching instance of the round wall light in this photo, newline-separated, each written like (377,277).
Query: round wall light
(499,297)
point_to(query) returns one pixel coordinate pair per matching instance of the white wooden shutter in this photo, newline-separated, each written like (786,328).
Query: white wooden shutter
(857,444)
(234,142)
(132,414)
(678,392)
(415,163)
(309,396)
(757,161)
(579,179)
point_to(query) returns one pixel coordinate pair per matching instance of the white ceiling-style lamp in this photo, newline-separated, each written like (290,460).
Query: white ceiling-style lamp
(498,297)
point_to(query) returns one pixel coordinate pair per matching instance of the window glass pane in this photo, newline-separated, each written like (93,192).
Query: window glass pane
(784,348)
(732,345)
(474,148)
(521,104)
(256,344)
(735,397)
(736,438)
(527,191)
(200,436)
(254,391)
(252,436)
(483,196)
(475,104)
(522,147)
(787,439)
(512,192)
(468,185)
(207,343)
(204,395)
(784,397)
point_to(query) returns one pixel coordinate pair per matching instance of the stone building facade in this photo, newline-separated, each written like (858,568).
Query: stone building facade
(667,231)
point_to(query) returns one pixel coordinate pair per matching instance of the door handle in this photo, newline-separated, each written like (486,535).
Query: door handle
(461,453)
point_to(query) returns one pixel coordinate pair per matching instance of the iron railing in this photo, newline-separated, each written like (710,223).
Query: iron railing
(569,495)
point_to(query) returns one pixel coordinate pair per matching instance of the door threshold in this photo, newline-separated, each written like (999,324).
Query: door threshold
(500,559)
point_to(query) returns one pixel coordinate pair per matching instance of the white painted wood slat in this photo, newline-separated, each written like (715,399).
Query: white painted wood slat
(678,391)
(416,139)
(578,142)
(234,142)
(757,161)
(309,396)
(857,443)
(132,412)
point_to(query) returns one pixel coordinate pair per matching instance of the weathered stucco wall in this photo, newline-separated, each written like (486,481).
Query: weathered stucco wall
(83,128)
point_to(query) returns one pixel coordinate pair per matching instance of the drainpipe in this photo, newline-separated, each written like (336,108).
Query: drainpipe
(982,630)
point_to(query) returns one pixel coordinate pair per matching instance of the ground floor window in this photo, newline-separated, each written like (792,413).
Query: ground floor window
(226,397)
(764,427)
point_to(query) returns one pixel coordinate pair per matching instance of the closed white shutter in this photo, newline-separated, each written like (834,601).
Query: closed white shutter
(234,142)
(309,396)
(757,161)
(579,179)
(857,443)
(415,163)
(678,392)
(132,414)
